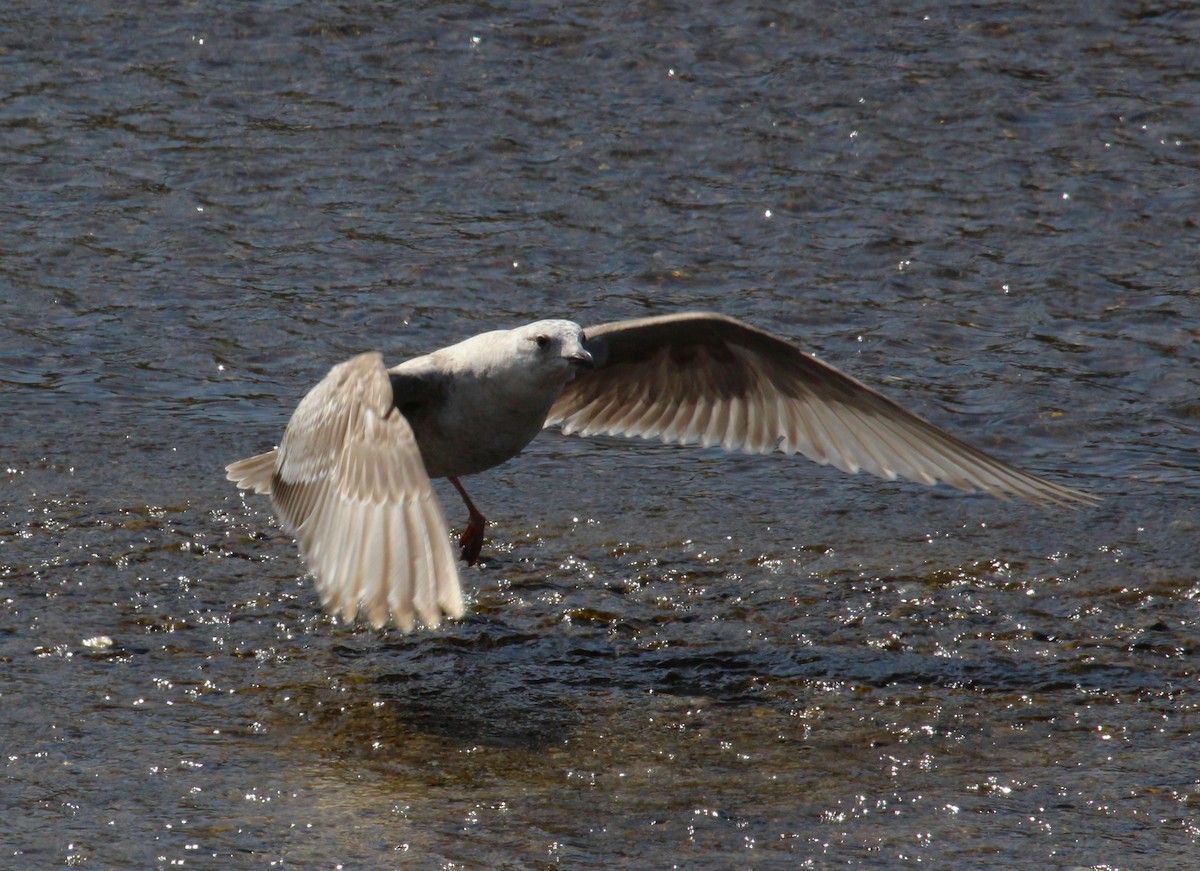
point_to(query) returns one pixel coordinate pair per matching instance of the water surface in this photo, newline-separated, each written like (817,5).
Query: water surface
(672,658)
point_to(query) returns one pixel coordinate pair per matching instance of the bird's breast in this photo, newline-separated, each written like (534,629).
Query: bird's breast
(477,427)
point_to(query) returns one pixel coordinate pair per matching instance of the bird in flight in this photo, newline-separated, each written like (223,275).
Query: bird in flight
(351,478)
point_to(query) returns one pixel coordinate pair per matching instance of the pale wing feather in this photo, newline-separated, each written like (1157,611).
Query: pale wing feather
(734,435)
(408,589)
(715,430)
(374,529)
(400,594)
(764,423)
(350,484)
(448,593)
(709,379)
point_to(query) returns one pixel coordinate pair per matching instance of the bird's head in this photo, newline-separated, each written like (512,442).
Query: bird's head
(553,347)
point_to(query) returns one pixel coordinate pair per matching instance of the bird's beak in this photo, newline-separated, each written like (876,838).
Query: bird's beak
(582,360)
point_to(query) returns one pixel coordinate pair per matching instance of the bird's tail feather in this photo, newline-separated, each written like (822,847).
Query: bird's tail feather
(253,473)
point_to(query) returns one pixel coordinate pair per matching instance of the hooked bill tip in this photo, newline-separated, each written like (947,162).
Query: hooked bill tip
(583,360)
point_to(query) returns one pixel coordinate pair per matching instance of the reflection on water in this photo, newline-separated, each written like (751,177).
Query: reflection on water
(671,657)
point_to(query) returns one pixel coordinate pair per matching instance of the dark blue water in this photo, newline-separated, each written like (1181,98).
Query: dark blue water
(672,658)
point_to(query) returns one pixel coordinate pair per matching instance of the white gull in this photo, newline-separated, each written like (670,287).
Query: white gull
(351,479)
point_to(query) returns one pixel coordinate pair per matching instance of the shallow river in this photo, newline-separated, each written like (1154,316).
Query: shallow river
(672,657)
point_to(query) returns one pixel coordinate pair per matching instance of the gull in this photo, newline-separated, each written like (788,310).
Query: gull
(351,478)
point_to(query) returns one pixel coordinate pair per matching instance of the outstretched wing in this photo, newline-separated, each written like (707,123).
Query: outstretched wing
(350,484)
(710,379)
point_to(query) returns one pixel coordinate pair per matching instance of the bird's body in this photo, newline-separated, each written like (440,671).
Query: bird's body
(351,479)
(484,381)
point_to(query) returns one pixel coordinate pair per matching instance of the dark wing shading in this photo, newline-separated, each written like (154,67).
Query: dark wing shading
(350,484)
(712,380)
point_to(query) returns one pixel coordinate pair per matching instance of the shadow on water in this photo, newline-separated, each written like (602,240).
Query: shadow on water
(484,684)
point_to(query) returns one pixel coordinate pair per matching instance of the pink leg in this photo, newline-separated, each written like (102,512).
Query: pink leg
(471,541)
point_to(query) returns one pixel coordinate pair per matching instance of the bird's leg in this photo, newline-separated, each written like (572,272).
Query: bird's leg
(471,541)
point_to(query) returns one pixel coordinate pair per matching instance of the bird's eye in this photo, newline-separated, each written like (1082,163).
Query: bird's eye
(543,342)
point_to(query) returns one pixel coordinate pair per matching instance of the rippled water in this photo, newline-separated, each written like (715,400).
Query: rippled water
(671,657)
